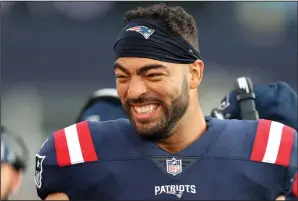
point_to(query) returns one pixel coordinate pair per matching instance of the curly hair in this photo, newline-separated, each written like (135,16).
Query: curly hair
(175,18)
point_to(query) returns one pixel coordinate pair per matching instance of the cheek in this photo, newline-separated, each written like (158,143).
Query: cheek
(121,89)
(173,86)
(167,90)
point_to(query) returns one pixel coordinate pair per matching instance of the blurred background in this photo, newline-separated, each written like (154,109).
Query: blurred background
(55,54)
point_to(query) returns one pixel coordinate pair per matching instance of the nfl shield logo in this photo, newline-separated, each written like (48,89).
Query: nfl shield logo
(174,166)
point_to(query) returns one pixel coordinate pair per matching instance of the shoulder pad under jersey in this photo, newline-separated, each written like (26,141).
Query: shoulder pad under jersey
(86,142)
(259,141)
(69,146)
(65,147)
(76,144)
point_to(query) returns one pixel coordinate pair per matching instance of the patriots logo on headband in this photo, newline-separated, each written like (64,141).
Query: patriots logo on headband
(145,31)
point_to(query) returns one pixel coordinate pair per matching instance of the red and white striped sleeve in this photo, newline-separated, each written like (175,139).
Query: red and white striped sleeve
(273,143)
(276,143)
(74,144)
(69,146)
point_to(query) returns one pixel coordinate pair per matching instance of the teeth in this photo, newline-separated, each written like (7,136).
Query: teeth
(145,109)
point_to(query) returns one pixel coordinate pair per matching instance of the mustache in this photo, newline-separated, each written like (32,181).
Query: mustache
(141,100)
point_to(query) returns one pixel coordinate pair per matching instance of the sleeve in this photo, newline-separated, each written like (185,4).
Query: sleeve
(56,161)
(49,177)
(291,184)
(276,143)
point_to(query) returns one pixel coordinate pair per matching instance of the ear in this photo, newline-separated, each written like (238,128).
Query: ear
(16,180)
(196,70)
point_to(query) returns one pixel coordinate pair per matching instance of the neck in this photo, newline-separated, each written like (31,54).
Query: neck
(190,127)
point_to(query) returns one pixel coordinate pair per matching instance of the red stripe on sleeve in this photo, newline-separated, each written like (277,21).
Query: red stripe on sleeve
(285,147)
(261,140)
(86,142)
(295,185)
(62,153)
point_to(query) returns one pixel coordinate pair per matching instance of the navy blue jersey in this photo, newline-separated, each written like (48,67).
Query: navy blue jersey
(233,159)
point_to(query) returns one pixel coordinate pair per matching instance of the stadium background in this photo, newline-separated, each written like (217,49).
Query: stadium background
(54,54)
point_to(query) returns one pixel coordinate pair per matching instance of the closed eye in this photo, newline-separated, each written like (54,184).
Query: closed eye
(154,74)
(121,76)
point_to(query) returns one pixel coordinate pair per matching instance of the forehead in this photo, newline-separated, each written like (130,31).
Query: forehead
(135,63)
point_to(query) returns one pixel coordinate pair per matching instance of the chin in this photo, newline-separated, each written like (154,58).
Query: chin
(145,131)
(152,130)
(153,133)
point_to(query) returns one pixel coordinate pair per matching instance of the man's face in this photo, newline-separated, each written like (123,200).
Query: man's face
(153,93)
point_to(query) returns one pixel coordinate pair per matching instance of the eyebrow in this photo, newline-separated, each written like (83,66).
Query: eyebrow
(140,71)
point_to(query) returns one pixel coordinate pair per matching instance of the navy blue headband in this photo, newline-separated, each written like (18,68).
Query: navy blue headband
(148,39)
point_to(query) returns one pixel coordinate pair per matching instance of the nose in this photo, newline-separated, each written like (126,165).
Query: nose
(137,87)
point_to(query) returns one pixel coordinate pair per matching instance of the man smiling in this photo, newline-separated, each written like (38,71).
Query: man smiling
(168,149)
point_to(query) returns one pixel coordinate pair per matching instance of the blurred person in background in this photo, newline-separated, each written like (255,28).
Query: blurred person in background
(103,105)
(276,102)
(13,164)
(168,149)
